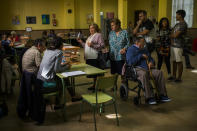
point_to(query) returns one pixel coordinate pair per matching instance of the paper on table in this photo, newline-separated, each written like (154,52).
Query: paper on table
(72,73)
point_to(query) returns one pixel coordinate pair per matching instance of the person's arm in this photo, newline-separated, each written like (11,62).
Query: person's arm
(150,59)
(98,42)
(58,66)
(81,42)
(38,58)
(144,32)
(137,27)
(126,44)
(175,35)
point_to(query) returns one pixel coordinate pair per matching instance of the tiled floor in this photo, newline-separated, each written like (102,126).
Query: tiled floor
(178,115)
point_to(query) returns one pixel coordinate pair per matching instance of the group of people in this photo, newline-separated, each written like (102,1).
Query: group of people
(135,49)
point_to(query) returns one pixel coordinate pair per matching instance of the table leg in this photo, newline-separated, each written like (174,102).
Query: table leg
(64,99)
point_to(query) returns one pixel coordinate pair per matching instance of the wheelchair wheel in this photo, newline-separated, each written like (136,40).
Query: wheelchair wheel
(123,92)
(136,100)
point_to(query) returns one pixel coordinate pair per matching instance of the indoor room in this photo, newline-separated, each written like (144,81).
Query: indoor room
(91,65)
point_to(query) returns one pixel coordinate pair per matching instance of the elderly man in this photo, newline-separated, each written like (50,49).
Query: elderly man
(139,57)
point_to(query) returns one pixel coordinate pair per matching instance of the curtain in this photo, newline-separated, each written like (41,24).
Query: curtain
(188,6)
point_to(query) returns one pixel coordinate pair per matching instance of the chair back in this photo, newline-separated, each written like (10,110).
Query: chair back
(106,82)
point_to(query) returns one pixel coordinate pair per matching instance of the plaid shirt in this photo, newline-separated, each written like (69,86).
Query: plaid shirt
(179,41)
(164,36)
(31,60)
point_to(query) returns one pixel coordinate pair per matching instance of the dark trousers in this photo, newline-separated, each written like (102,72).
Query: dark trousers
(39,101)
(25,100)
(167,62)
(186,53)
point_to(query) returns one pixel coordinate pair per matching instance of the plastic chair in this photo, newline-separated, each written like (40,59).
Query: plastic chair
(100,97)
(49,89)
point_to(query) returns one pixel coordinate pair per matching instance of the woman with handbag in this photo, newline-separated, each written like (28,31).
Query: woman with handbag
(93,45)
(119,42)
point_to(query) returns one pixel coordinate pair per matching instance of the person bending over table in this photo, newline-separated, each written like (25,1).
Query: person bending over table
(93,45)
(137,56)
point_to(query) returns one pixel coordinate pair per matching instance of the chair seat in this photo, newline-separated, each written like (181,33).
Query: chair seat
(102,97)
(49,84)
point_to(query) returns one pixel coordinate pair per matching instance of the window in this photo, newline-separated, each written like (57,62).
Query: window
(188,6)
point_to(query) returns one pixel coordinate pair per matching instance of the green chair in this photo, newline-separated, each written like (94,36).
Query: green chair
(50,89)
(99,98)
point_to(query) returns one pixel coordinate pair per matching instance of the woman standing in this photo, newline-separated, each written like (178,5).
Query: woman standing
(119,42)
(163,52)
(93,45)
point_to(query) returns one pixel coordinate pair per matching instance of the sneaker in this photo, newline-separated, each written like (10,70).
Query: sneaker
(91,88)
(178,80)
(152,101)
(171,78)
(190,67)
(75,99)
(165,99)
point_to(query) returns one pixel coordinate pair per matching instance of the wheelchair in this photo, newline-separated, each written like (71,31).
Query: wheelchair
(131,75)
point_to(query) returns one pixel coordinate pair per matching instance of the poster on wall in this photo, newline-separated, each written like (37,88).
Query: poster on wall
(90,19)
(54,21)
(15,20)
(45,19)
(31,19)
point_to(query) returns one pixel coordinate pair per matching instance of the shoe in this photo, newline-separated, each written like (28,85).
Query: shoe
(91,88)
(164,99)
(193,54)
(56,107)
(178,80)
(171,78)
(152,101)
(190,67)
(39,123)
(74,99)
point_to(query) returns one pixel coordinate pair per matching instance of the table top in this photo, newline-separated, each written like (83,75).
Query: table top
(88,69)
(19,46)
(70,48)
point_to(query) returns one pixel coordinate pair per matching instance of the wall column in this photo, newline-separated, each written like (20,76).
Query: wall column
(69,7)
(122,12)
(163,8)
(96,12)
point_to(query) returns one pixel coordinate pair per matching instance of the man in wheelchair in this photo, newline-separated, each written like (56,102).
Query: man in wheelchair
(139,57)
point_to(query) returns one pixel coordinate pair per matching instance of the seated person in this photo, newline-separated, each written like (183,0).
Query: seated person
(7,44)
(51,64)
(14,37)
(51,33)
(9,71)
(139,57)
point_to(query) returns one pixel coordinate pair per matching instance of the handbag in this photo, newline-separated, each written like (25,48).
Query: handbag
(102,58)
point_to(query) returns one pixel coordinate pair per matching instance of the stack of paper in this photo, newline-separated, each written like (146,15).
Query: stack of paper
(72,73)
